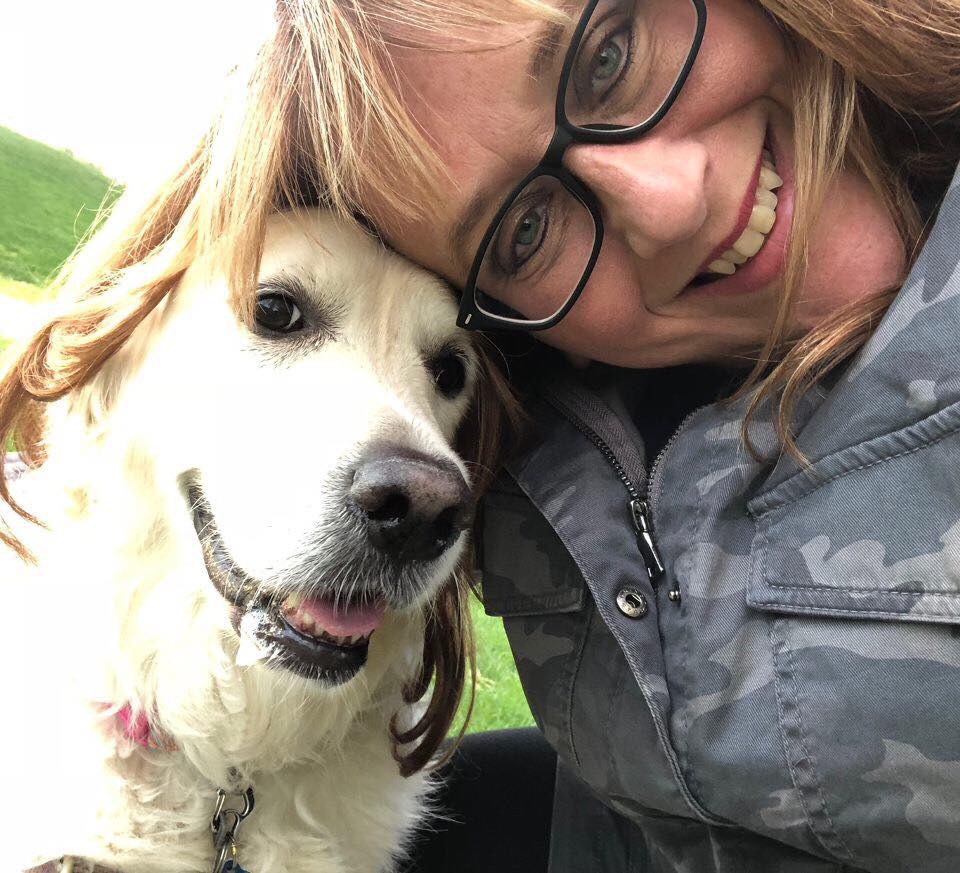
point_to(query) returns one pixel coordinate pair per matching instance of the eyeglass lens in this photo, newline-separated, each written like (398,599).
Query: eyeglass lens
(629,59)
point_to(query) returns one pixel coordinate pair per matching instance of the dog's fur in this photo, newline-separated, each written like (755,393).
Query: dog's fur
(119,607)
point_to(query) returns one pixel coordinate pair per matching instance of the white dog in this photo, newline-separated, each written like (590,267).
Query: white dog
(250,526)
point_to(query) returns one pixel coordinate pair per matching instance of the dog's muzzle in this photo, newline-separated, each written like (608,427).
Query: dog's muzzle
(402,511)
(413,507)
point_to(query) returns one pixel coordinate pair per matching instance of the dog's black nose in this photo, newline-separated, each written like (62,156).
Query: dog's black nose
(413,506)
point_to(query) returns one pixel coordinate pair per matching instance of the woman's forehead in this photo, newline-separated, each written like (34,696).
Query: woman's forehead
(478,108)
(487,119)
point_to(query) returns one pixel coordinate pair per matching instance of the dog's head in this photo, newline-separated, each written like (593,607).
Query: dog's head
(314,450)
(292,457)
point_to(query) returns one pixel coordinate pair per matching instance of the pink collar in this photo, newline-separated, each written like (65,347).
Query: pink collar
(138,730)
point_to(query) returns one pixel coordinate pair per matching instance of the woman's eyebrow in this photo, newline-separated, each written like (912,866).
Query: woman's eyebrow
(548,42)
(480,205)
(552,37)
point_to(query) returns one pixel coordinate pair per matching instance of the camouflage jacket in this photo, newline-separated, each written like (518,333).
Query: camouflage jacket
(785,696)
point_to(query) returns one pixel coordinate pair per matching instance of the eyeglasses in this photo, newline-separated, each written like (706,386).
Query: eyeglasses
(625,66)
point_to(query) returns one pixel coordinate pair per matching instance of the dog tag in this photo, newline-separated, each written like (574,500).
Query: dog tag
(233,867)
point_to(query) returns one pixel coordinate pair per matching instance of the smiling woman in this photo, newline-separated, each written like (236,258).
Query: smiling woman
(728,183)
(725,554)
(677,202)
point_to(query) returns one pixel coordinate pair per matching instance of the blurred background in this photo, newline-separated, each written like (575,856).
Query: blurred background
(106,94)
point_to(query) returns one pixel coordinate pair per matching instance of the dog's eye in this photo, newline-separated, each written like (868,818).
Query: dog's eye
(278,313)
(449,373)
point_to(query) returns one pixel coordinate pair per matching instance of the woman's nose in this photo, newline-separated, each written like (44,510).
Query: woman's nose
(651,192)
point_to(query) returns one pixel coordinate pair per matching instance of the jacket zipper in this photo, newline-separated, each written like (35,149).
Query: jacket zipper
(674,593)
(639,507)
(655,469)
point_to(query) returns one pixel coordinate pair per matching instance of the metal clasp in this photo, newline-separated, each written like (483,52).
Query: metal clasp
(224,825)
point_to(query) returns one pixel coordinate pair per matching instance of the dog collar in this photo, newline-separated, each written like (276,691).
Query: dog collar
(226,818)
(137,729)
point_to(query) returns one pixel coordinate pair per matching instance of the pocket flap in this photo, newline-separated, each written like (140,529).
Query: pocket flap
(871,531)
(526,568)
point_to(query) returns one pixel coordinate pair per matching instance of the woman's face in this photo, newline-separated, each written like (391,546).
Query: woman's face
(673,202)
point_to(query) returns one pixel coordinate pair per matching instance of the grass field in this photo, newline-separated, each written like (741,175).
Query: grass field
(47,200)
(499,702)
(18,290)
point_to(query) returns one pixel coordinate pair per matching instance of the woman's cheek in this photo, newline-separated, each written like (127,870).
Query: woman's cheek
(609,318)
(855,251)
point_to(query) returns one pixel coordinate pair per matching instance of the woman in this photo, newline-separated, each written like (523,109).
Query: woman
(745,656)
(744,652)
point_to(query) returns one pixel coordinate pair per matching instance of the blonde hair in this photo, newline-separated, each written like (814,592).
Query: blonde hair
(317,102)
(877,89)
(320,120)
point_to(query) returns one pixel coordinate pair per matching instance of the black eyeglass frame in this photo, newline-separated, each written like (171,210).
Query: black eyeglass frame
(470,316)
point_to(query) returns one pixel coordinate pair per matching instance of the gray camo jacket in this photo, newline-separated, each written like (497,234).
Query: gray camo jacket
(785,696)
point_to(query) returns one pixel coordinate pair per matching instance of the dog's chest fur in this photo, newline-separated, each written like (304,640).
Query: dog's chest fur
(350,812)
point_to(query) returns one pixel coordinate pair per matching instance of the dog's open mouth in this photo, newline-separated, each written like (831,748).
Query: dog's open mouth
(313,636)
(310,637)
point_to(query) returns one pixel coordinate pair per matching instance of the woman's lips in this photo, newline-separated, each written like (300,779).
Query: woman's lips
(743,218)
(766,265)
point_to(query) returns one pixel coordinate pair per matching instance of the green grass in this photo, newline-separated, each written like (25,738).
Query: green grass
(500,702)
(20,290)
(47,201)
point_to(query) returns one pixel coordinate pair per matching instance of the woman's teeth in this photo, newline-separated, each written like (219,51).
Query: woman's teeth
(762,219)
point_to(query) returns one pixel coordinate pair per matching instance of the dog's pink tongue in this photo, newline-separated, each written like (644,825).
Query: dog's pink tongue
(344,622)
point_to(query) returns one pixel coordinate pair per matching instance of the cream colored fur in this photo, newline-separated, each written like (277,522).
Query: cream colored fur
(119,607)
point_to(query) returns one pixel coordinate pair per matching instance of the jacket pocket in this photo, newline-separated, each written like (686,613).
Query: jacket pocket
(525,568)
(871,531)
(856,566)
(531,582)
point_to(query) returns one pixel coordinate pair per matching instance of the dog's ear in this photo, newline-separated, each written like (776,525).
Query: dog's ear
(71,354)
(493,424)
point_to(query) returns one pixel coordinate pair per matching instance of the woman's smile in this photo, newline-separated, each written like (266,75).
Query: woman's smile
(696,218)
(753,254)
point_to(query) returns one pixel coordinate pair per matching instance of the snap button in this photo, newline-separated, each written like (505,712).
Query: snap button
(631,603)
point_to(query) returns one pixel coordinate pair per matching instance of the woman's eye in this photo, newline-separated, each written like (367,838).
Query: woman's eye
(449,374)
(278,313)
(608,60)
(603,64)
(529,233)
(522,236)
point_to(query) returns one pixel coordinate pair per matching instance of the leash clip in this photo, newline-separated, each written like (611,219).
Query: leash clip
(224,825)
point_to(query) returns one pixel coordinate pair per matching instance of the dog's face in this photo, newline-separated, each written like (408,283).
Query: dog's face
(311,451)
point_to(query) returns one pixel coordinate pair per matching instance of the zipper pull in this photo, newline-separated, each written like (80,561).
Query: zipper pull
(645,542)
